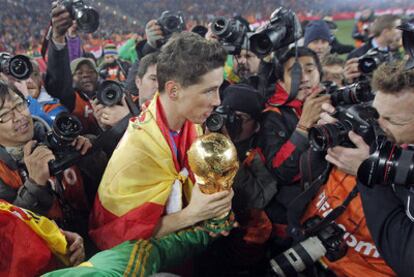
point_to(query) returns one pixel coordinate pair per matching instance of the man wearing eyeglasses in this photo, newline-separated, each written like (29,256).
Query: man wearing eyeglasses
(25,180)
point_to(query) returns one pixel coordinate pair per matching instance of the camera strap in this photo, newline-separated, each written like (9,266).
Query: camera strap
(333,215)
(298,206)
(296,77)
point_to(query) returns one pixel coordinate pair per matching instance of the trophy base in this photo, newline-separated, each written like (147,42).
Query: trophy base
(220,224)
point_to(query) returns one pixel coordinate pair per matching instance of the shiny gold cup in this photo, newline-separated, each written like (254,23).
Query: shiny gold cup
(213,160)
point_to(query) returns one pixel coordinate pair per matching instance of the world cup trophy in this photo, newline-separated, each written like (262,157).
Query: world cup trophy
(213,160)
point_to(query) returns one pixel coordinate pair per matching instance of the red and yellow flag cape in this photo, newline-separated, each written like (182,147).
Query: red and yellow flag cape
(30,244)
(142,175)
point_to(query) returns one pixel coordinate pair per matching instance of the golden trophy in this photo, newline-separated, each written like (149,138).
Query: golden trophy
(213,160)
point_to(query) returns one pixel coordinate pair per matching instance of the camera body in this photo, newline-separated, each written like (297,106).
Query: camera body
(19,66)
(231,33)
(372,59)
(388,164)
(171,23)
(362,119)
(327,242)
(110,93)
(224,116)
(355,93)
(65,129)
(283,29)
(87,18)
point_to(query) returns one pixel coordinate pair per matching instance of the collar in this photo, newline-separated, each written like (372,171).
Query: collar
(280,97)
(374,44)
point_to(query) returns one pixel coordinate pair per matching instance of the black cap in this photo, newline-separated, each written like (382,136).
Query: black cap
(244,98)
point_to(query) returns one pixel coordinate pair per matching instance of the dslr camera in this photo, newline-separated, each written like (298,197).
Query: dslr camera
(65,129)
(110,93)
(388,164)
(224,116)
(231,33)
(355,93)
(87,18)
(283,29)
(171,23)
(362,119)
(19,66)
(372,60)
(327,242)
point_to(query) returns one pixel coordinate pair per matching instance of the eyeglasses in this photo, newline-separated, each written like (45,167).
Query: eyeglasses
(21,106)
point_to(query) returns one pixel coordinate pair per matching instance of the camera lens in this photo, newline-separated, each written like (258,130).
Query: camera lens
(20,67)
(172,23)
(66,128)
(215,122)
(367,65)
(220,27)
(87,19)
(261,44)
(110,93)
(326,136)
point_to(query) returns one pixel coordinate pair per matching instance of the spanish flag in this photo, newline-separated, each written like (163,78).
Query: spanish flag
(30,244)
(144,179)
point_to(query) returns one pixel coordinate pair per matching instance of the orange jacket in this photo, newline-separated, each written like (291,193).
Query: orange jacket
(362,258)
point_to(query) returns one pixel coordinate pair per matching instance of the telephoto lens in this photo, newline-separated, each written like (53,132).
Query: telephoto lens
(327,242)
(356,93)
(388,164)
(362,119)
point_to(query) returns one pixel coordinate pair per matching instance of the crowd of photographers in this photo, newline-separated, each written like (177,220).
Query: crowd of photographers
(324,145)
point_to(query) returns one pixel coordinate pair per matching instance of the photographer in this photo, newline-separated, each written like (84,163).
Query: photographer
(385,33)
(361,30)
(333,192)
(25,176)
(283,137)
(146,78)
(254,187)
(389,208)
(111,68)
(41,104)
(75,83)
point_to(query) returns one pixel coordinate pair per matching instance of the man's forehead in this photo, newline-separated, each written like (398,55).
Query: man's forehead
(389,104)
(304,61)
(9,100)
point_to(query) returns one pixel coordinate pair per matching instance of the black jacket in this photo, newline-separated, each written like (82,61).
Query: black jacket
(59,84)
(361,50)
(254,186)
(340,48)
(389,213)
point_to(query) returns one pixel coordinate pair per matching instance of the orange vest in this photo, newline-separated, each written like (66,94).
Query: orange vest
(83,110)
(362,258)
(72,184)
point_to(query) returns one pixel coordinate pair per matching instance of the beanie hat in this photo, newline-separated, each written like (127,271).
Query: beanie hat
(243,98)
(317,29)
(110,49)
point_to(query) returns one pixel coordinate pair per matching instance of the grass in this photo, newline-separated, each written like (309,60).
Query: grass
(344,33)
